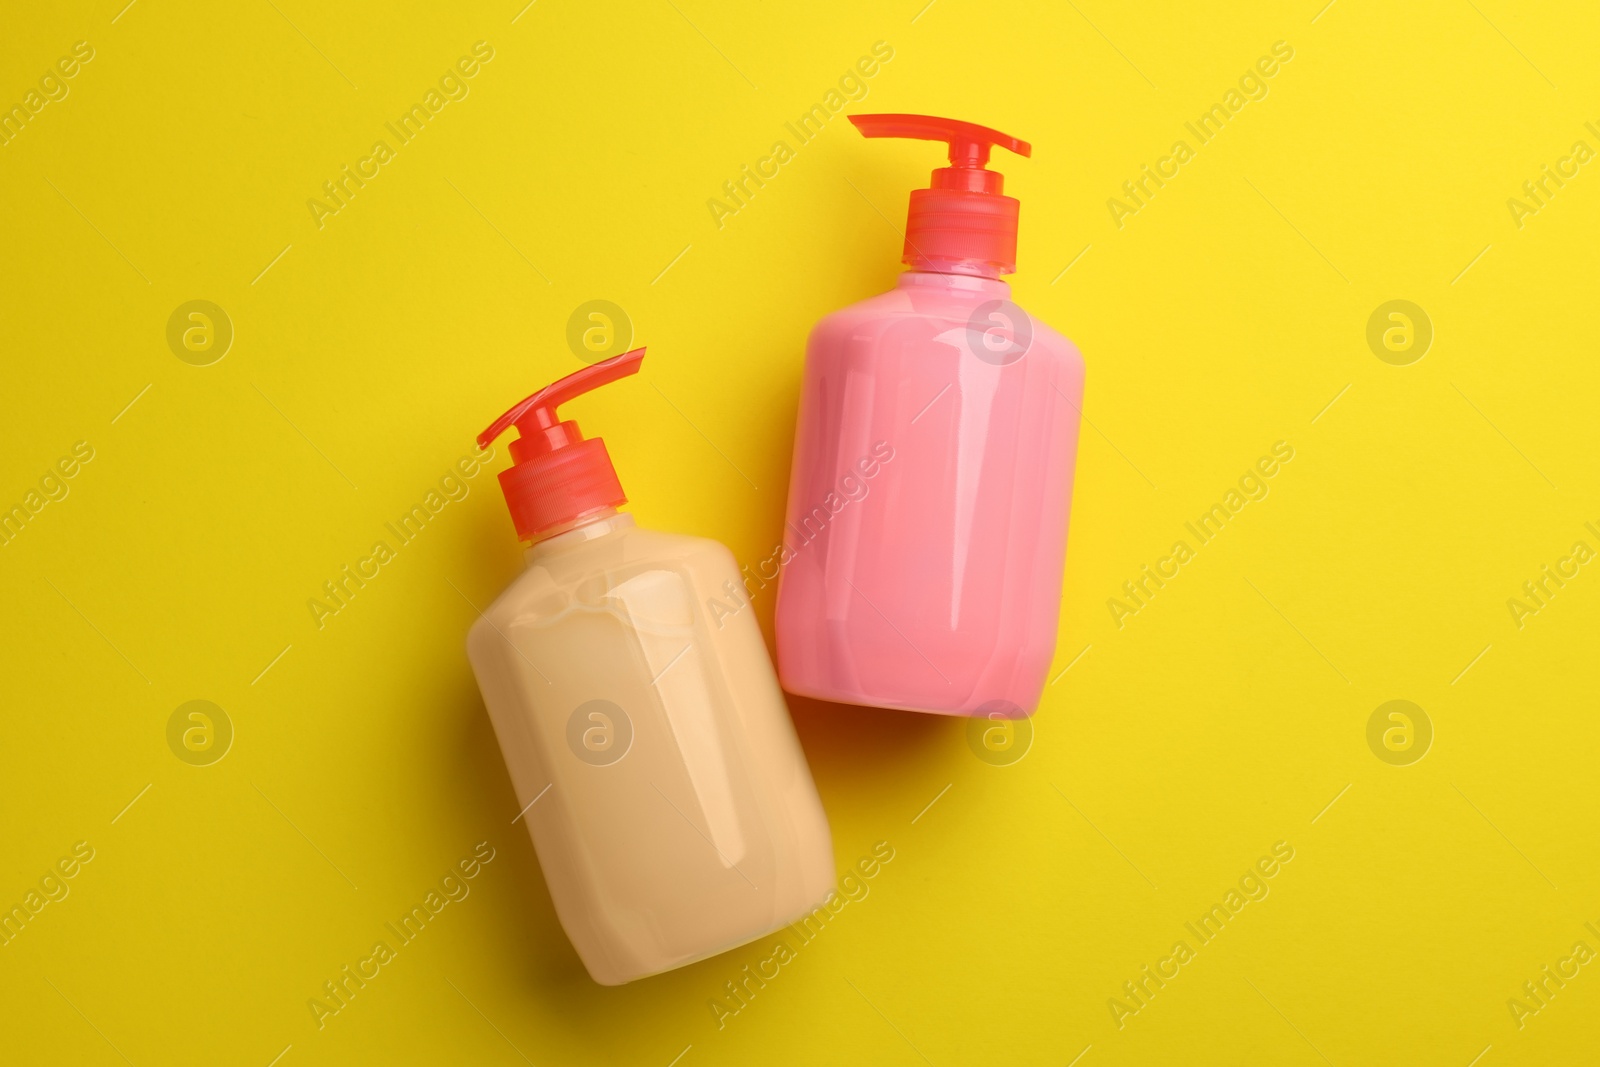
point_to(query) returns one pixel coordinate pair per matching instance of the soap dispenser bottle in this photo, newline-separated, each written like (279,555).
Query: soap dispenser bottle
(933,462)
(652,755)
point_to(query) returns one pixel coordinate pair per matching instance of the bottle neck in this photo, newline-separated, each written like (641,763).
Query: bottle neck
(988,286)
(975,268)
(597,523)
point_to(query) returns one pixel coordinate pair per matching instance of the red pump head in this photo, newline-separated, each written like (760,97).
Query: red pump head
(557,476)
(962,224)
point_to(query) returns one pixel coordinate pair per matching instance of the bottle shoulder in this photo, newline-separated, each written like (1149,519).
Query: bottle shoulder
(595,565)
(649,579)
(884,307)
(955,317)
(642,543)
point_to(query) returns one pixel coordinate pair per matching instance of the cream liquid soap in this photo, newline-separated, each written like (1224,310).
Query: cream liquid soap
(640,718)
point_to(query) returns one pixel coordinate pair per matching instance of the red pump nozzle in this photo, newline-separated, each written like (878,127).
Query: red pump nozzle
(961,223)
(557,476)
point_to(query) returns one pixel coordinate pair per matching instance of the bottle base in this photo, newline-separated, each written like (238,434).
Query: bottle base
(698,957)
(980,710)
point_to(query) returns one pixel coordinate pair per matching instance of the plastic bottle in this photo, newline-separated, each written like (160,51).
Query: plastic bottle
(639,715)
(933,463)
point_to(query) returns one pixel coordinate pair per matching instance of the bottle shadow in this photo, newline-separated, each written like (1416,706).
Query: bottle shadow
(849,741)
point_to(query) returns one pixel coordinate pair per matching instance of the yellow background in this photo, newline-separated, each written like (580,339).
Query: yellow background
(1224,717)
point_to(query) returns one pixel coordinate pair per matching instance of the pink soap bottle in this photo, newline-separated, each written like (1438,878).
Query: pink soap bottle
(938,427)
(652,756)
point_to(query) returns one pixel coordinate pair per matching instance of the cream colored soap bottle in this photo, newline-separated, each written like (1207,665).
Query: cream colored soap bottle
(653,757)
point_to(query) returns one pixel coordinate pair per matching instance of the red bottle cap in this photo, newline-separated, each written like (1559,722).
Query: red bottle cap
(557,476)
(961,224)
